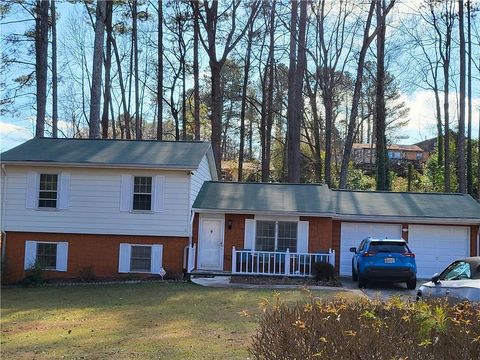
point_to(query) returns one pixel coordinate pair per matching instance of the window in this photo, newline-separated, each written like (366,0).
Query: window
(457,271)
(388,247)
(276,236)
(47,197)
(287,236)
(141,258)
(142,193)
(47,255)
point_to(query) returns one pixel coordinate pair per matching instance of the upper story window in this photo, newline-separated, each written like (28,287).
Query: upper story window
(276,236)
(47,197)
(142,193)
(46,255)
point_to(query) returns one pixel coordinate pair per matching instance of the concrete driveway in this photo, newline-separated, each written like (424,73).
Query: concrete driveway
(383,290)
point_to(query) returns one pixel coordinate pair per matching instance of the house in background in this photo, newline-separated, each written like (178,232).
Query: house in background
(109,206)
(133,207)
(363,156)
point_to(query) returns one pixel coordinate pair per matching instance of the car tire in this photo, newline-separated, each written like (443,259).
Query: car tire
(354,273)
(412,284)
(362,282)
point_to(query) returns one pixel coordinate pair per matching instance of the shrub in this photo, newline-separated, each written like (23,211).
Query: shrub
(323,271)
(367,329)
(34,276)
(87,274)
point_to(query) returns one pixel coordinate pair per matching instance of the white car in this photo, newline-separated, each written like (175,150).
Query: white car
(458,282)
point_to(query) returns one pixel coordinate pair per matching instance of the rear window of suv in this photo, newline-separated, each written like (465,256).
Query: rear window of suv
(388,247)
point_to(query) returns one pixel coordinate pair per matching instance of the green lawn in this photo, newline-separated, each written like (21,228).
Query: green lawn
(171,321)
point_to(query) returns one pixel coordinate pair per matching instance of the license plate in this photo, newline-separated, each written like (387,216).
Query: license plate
(389,260)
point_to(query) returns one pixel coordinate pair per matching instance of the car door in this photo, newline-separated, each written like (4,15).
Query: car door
(360,250)
(451,279)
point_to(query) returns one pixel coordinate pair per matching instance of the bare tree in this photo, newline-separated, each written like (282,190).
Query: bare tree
(41,63)
(462,186)
(210,20)
(160,71)
(54,71)
(96,90)
(469,110)
(108,65)
(196,75)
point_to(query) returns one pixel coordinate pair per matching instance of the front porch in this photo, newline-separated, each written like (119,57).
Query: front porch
(265,263)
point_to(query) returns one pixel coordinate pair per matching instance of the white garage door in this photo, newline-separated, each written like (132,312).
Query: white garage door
(353,233)
(437,246)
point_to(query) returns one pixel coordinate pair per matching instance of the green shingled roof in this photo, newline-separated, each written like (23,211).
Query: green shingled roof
(146,153)
(258,197)
(319,199)
(383,203)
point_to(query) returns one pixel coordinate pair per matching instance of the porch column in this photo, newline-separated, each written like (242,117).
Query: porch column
(234,260)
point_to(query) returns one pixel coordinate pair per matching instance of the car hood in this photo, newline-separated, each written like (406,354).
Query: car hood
(475,284)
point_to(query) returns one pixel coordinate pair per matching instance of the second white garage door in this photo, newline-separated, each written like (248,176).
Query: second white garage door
(353,233)
(437,246)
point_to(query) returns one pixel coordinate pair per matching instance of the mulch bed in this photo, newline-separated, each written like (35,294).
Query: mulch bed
(274,280)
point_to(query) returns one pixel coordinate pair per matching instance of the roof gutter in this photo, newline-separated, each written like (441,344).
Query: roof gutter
(364,218)
(97,165)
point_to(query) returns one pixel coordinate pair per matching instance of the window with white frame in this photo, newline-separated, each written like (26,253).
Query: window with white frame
(140,258)
(142,193)
(47,197)
(46,256)
(276,235)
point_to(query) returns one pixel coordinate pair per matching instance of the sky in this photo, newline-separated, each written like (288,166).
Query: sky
(421,126)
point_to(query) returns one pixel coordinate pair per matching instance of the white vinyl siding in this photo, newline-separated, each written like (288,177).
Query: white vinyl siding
(61,256)
(94,204)
(199,176)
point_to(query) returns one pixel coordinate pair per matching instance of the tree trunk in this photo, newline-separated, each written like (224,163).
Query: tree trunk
(293,125)
(246,71)
(327,102)
(160,72)
(352,122)
(381,165)
(469,111)
(96,91)
(438,114)
(108,65)
(462,185)
(216,112)
(196,75)
(446,109)
(41,64)
(126,115)
(54,71)
(138,126)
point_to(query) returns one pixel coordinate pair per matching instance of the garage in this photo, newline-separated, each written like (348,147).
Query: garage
(437,246)
(353,233)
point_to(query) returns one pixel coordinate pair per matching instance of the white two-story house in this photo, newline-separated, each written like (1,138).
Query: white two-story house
(106,207)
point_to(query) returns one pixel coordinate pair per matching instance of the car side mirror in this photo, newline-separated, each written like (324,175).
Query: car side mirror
(435,278)
(353,250)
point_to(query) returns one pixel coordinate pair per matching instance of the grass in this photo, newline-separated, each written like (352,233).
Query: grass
(174,321)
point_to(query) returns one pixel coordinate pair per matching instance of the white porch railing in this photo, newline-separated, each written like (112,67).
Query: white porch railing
(274,263)
(192,251)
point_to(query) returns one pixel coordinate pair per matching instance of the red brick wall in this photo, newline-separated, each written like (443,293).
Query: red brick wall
(99,251)
(319,233)
(473,240)
(233,237)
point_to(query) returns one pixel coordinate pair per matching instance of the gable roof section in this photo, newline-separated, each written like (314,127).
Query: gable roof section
(114,153)
(264,197)
(311,199)
(401,204)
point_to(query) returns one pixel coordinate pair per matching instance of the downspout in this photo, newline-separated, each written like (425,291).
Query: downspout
(4,234)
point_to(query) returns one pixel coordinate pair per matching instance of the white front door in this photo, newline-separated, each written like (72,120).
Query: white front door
(210,246)
(353,233)
(435,247)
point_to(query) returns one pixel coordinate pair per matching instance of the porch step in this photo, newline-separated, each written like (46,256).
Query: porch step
(208,273)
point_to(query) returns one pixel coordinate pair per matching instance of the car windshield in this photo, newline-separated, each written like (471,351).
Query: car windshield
(457,271)
(388,247)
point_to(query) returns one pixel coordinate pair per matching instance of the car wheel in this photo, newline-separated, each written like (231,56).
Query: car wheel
(412,284)
(354,273)
(362,282)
